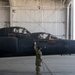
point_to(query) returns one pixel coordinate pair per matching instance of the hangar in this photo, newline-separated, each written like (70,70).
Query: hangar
(50,16)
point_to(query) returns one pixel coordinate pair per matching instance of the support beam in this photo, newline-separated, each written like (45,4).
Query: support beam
(73,20)
(10,1)
(69,21)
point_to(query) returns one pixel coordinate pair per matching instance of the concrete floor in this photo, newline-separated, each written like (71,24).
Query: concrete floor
(58,65)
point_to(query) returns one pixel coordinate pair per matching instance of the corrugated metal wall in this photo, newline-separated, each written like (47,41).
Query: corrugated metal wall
(39,16)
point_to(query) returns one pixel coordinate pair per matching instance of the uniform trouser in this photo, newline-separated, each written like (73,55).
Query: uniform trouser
(38,67)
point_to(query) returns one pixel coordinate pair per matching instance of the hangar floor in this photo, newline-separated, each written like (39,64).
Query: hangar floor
(53,65)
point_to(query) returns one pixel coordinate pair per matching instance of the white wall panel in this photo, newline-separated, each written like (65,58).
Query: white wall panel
(39,15)
(4,17)
(61,15)
(4,13)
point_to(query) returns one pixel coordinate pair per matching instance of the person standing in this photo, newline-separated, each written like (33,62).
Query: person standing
(38,60)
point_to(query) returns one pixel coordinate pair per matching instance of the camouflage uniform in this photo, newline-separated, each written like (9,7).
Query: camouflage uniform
(38,58)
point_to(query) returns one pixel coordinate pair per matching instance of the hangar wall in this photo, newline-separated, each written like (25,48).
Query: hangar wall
(37,16)
(40,15)
(4,14)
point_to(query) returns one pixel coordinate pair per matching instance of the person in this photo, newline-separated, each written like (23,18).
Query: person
(38,58)
(40,36)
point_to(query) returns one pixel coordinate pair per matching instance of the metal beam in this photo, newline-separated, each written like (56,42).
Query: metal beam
(10,2)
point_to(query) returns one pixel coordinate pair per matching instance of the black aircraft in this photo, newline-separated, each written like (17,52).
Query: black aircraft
(18,41)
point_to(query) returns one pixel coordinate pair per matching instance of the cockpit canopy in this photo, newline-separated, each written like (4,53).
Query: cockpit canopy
(43,35)
(12,30)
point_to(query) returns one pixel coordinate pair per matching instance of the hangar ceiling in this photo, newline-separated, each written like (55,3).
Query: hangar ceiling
(24,1)
(12,1)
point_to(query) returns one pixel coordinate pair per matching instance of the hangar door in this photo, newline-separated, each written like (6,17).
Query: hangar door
(46,16)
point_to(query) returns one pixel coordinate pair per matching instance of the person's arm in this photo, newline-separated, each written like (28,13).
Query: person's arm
(35,46)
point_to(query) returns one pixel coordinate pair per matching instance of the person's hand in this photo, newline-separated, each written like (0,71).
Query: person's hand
(34,43)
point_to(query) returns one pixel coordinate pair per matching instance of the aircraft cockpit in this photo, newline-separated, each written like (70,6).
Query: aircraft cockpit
(20,30)
(44,36)
(12,31)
